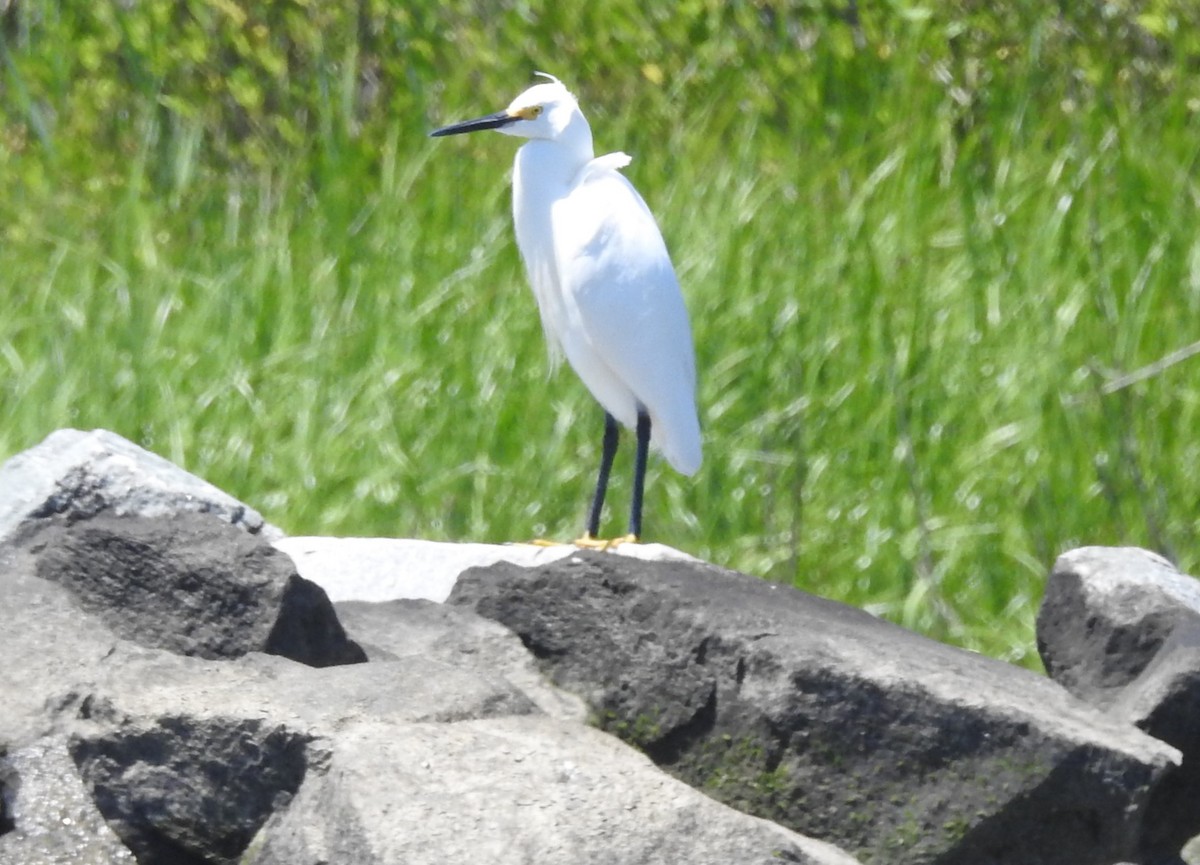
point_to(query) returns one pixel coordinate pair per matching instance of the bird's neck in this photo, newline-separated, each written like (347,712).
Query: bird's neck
(543,174)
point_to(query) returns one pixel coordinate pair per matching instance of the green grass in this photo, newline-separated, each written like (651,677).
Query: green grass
(906,303)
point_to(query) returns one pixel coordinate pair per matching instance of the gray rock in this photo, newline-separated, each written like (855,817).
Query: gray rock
(510,790)
(46,643)
(186,757)
(1165,702)
(414,630)
(181,788)
(139,684)
(77,474)
(63,662)
(831,722)
(1120,628)
(1105,615)
(7,794)
(386,569)
(192,584)
(51,816)
(139,706)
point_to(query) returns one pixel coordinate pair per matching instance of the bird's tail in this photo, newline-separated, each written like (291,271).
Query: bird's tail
(679,442)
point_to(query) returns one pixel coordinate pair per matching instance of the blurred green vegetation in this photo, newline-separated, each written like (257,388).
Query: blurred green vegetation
(921,244)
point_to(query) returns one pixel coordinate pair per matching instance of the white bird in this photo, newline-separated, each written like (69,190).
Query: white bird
(607,293)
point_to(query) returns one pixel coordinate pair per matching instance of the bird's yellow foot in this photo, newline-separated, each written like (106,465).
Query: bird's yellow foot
(587,542)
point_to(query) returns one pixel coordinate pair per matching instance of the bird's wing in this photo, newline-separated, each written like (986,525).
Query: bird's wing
(617,277)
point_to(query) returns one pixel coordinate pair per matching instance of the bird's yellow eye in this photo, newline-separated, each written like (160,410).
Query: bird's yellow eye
(529,112)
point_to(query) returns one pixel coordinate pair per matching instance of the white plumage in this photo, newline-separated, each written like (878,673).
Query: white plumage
(605,287)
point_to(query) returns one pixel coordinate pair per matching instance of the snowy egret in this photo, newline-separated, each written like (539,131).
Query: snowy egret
(607,293)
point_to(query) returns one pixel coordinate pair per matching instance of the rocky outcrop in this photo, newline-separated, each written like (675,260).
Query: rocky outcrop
(408,758)
(145,713)
(175,692)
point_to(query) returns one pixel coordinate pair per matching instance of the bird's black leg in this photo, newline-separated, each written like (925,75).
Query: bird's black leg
(639,475)
(608,451)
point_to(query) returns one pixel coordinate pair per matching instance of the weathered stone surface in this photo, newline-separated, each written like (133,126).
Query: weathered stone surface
(1120,628)
(77,474)
(50,817)
(64,663)
(181,759)
(827,720)
(185,789)
(194,585)
(513,791)
(188,756)
(46,642)
(140,683)
(1165,702)
(1106,613)
(386,569)
(185,757)
(411,631)
(7,794)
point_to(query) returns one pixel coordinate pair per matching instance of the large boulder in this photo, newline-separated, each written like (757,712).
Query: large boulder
(76,475)
(1165,702)
(827,720)
(46,642)
(192,584)
(1106,613)
(511,791)
(1120,628)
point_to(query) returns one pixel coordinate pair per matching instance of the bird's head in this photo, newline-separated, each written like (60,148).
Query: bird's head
(543,111)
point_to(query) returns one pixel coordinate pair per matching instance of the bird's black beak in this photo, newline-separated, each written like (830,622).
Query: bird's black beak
(491,121)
